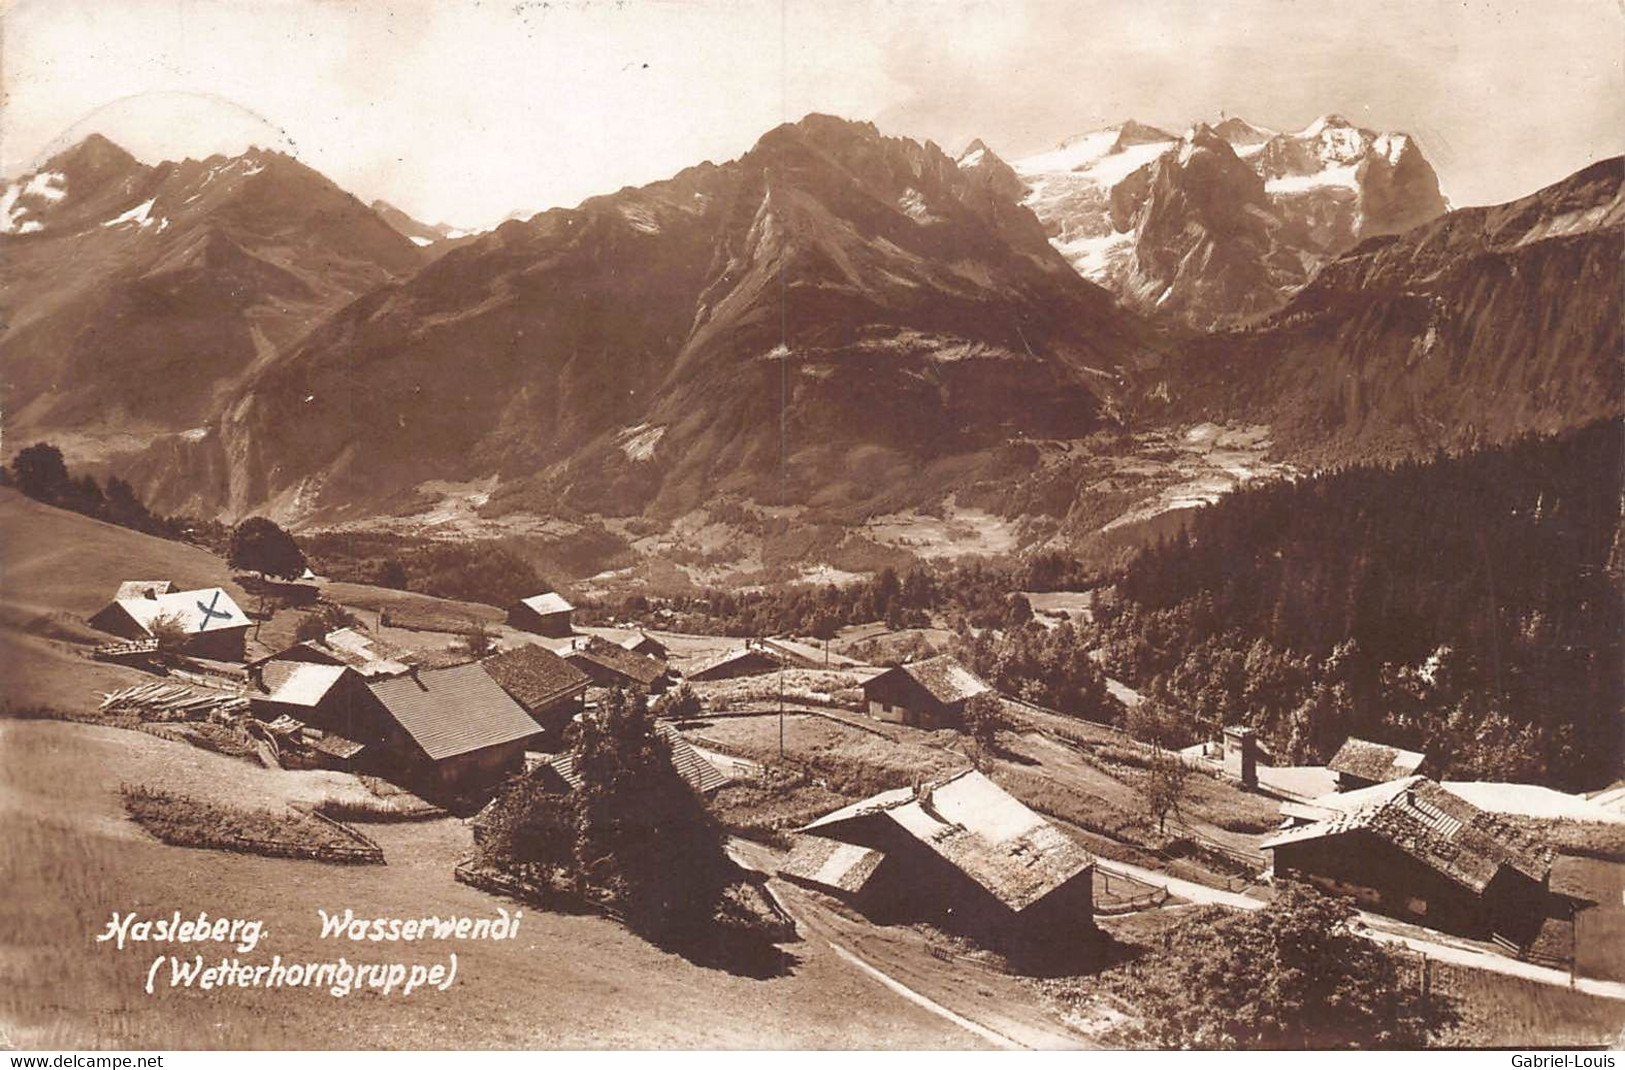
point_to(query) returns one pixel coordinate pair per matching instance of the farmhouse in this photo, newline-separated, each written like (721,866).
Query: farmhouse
(545,614)
(1412,849)
(637,641)
(1360,764)
(328,703)
(213,625)
(748,660)
(961,853)
(450,729)
(608,665)
(549,688)
(930,693)
(345,646)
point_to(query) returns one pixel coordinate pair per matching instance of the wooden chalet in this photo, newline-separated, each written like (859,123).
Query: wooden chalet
(928,694)
(328,706)
(961,853)
(1360,763)
(609,665)
(544,614)
(344,646)
(558,774)
(549,688)
(213,625)
(448,730)
(1413,850)
(748,660)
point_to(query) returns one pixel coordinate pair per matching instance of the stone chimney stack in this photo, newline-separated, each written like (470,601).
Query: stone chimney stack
(1241,755)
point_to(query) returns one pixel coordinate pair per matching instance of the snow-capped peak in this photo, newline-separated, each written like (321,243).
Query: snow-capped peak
(974,154)
(1391,147)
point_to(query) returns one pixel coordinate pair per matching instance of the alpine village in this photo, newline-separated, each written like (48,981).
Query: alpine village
(1165,592)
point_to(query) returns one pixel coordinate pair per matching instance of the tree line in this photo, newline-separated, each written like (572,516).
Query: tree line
(1469,606)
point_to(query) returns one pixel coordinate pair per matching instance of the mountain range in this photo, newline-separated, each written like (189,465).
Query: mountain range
(1225,222)
(837,323)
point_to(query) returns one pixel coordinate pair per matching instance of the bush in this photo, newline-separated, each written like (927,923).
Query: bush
(1293,975)
(679,704)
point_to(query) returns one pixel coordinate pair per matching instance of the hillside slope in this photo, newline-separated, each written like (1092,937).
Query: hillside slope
(1478,326)
(837,296)
(139,295)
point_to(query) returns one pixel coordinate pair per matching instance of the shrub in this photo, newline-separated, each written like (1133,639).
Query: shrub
(679,704)
(1293,975)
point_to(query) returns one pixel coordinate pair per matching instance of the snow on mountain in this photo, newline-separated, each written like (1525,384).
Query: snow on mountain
(1325,188)
(139,215)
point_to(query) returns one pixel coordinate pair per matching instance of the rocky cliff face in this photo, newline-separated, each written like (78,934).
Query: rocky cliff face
(1187,231)
(834,302)
(1481,325)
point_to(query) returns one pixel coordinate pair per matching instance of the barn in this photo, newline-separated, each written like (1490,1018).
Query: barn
(1413,850)
(961,853)
(213,625)
(344,646)
(450,730)
(740,661)
(637,641)
(608,665)
(549,688)
(1360,763)
(928,694)
(544,614)
(330,703)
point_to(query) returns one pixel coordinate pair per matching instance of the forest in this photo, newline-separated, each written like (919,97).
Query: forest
(1469,606)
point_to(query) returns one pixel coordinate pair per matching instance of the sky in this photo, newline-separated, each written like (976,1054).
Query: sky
(467,112)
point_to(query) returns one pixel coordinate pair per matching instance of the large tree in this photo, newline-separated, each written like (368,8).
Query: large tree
(259,545)
(41,473)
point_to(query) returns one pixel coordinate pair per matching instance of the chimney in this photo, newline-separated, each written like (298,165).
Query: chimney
(412,671)
(1241,755)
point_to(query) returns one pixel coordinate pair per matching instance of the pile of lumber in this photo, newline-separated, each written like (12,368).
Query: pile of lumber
(173,702)
(129,648)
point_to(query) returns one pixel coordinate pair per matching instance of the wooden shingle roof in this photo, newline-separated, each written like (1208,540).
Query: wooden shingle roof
(546,604)
(698,773)
(535,676)
(637,667)
(453,711)
(841,867)
(1439,829)
(1376,762)
(208,609)
(979,829)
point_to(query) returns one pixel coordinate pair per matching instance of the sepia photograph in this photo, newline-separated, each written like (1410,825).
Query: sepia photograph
(796,525)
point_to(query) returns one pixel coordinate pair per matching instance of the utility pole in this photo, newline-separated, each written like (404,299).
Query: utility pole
(781,711)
